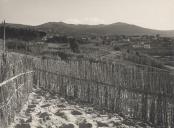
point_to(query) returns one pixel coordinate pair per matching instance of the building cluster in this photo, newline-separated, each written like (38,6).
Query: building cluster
(145,42)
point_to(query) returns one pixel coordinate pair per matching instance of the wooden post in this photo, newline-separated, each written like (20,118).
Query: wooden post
(4,35)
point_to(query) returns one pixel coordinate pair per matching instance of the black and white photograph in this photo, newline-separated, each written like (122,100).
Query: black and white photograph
(86,63)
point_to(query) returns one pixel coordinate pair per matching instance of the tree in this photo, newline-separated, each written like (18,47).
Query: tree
(74,46)
(116,48)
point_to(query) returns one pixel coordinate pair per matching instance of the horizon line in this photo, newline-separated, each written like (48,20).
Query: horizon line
(89,24)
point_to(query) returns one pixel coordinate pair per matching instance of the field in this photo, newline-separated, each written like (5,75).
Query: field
(165,55)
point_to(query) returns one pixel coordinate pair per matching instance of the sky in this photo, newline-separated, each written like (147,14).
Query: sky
(154,14)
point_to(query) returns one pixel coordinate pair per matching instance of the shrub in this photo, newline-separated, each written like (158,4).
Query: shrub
(15,44)
(116,48)
(74,46)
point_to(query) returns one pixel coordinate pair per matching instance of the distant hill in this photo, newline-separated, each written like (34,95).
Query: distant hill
(22,26)
(115,29)
(22,32)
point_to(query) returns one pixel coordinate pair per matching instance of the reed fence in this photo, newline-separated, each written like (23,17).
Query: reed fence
(16,84)
(136,91)
(139,92)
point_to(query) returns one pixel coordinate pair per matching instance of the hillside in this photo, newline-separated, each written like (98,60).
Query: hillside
(19,26)
(115,29)
(118,28)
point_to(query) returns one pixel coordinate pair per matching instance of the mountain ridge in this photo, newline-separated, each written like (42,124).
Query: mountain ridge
(118,28)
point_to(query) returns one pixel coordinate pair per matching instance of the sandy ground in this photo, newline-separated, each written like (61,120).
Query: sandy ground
(47,111)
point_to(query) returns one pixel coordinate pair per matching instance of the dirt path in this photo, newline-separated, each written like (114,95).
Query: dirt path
(46,111)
